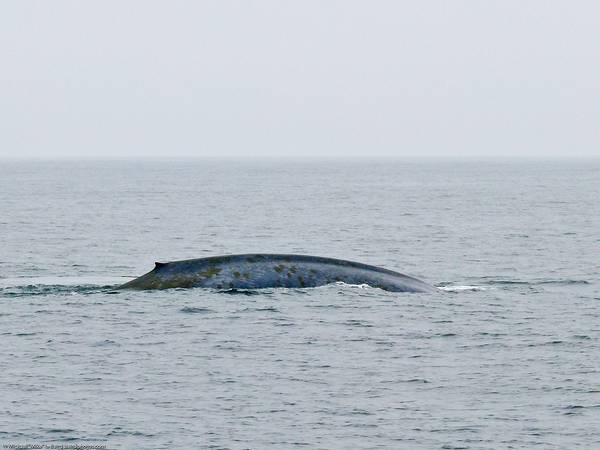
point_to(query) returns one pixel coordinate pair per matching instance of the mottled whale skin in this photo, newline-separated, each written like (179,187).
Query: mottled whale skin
(257,271)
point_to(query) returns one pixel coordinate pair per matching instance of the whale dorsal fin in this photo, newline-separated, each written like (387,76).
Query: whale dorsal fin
(158,265)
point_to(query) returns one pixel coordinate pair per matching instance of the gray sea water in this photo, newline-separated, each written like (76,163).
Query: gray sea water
(507,355)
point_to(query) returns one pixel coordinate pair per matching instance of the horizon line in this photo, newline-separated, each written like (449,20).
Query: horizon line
(298,157)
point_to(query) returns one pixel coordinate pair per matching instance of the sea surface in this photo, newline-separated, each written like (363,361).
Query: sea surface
(506,355)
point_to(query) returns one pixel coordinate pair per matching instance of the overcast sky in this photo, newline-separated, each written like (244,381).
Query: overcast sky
(299,78)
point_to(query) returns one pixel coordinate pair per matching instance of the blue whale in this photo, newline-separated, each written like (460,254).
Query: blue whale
(257,271)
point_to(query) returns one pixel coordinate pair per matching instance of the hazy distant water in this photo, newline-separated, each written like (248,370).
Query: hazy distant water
(506,357)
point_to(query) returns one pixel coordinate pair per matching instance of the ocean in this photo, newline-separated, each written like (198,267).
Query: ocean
(506,355)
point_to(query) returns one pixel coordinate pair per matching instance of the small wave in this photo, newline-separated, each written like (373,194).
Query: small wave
(566,282)
(247,292)
(105,343)
(61,281)
(535,282)
(195,310)
(260,309)
(31,286)
(358,323)
(118,431)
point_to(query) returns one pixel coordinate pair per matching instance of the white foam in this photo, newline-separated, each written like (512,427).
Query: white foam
(462,288)
(355,286)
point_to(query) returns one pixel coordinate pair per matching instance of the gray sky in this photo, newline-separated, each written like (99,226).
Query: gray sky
(301,78)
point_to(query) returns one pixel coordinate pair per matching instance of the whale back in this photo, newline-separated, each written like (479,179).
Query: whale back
(255,271)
